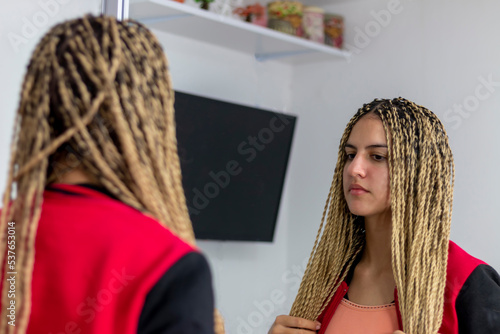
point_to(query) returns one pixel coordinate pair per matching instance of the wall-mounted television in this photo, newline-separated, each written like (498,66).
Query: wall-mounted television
(233,161)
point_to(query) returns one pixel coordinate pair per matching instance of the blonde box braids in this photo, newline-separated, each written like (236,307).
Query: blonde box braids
(97,95)
(421,173)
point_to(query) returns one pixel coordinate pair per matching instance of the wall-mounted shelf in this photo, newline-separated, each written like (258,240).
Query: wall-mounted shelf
(192,22)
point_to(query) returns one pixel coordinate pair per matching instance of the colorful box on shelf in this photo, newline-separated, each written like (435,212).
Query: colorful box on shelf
(313,24)
(255,14)
(334,30)
(285,16)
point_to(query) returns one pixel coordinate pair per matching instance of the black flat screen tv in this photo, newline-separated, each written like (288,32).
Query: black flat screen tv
(233,161)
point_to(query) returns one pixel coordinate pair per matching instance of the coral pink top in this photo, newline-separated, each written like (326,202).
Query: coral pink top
(359,319)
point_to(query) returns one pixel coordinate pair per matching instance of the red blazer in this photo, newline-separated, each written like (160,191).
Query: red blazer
(471,300)
(96,259)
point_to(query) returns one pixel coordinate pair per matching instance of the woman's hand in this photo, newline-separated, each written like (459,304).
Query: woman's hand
(285,324)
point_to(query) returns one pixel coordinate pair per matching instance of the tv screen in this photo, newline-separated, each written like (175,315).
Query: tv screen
(233,160)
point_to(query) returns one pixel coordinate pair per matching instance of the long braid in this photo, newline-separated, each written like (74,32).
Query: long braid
(340,236)
(421,173)
(97,96)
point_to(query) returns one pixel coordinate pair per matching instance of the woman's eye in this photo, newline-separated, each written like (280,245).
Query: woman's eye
(377,157)
(350,156)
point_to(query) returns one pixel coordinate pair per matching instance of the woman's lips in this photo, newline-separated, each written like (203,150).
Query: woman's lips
(356,189)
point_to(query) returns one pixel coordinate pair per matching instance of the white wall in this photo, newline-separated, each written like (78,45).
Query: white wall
(461,56)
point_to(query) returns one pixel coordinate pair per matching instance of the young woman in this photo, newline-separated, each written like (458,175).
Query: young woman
(383,263)
(98,237)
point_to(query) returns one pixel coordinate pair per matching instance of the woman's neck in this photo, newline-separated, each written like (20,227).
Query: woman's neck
(377,251)
(373,280)
(76,176)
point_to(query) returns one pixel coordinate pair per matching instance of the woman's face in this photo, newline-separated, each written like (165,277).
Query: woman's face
(366,172)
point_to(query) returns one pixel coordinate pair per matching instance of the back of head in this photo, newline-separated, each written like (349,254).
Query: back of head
(96,97)
(421,190)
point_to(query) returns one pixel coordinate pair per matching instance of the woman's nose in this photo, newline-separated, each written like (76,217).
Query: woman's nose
(357,168)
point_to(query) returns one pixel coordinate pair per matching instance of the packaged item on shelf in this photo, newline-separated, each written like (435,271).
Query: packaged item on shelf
(285,16)
(204,4)
(334,30)
(312,23)
(255,14)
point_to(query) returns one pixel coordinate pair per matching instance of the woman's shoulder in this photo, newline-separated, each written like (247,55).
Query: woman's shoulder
(97,208)
(70,211)
(473,289)
(464,268)
(461,261)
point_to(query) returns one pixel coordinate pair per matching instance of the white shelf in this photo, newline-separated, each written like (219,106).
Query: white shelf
(192,22)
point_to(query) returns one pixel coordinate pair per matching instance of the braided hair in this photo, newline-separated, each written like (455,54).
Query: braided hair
(97,96)
(421,172)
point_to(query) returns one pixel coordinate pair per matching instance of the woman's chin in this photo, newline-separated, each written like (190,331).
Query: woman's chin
(359,211)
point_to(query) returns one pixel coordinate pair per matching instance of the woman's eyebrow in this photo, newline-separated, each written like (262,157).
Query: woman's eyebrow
(369,146)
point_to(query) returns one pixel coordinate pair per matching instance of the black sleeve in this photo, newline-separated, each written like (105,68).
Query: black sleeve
(478,303)
(182,301)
